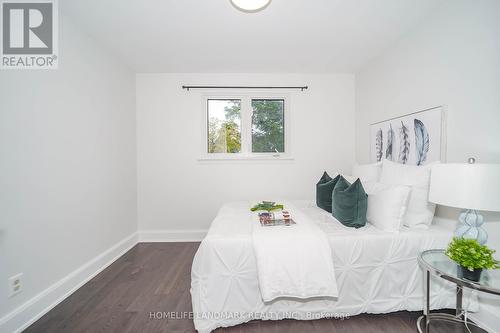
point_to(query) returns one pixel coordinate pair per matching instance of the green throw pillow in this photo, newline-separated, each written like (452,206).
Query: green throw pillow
(324,190)
(349,203)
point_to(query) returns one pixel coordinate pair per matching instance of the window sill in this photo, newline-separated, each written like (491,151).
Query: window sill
(245,158)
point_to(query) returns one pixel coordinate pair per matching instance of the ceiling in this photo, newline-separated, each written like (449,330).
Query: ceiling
(212,36)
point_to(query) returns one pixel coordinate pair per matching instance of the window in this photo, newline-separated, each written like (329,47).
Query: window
(243,127)
(268,126)
(224,126)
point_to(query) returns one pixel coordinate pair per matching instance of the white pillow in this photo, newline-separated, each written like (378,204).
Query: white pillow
(367,172)
(420,211)
(387,205)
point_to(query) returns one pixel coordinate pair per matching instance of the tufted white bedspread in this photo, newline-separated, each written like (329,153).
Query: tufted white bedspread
(376,272)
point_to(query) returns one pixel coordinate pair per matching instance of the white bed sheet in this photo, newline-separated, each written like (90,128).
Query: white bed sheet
(376,272)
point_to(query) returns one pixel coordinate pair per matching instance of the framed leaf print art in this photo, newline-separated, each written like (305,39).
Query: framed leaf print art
(417,138)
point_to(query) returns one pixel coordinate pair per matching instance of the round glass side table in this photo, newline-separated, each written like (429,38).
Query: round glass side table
(436,263)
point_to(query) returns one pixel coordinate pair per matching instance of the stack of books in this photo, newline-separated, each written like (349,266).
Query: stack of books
(269,219)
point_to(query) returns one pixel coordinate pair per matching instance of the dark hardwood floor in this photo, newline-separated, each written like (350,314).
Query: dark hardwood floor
(155,277)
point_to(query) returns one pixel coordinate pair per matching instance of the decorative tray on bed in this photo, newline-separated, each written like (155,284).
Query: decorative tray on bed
(269,219)
(274,223)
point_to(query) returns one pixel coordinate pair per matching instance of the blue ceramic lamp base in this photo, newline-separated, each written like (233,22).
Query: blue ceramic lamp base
(470,226)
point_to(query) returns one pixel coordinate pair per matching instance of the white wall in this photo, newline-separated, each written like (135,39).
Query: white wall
(178,192)
(451,59)
(67,169)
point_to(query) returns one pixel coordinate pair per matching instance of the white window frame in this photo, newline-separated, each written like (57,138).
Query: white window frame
(246,128)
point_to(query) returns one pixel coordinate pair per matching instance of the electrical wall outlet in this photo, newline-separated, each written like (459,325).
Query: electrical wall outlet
(15,284)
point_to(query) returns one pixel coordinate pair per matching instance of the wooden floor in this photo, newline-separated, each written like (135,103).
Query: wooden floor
(155,277)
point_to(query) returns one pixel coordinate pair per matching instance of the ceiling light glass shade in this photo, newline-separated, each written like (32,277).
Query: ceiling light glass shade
(250,6)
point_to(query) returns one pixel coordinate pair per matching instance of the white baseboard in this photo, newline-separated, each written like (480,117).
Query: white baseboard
(32,310)
(29,312)
(196,235)
(488,317)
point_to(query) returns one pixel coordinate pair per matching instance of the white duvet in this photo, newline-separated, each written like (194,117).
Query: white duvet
(376,272)
(293,261)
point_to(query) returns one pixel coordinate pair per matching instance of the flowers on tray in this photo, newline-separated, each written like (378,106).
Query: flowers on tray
(272,214)
(267,205)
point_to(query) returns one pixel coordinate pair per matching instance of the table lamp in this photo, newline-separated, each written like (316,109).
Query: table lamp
(470,186)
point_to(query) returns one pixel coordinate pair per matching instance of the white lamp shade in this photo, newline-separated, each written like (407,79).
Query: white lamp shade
(467,186)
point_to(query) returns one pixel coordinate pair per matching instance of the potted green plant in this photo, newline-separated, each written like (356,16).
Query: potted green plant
(471,257)
(268,206)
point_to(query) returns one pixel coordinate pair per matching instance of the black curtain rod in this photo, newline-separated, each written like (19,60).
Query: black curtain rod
(302,88)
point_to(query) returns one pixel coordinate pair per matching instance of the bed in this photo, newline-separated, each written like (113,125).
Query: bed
(225,286)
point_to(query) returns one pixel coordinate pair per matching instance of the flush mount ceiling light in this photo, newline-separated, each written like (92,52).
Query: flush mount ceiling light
(250,6)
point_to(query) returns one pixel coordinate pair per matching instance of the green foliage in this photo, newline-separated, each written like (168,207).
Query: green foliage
(470,254)
(268,133)
(267,205)
(225,136)
(233,111)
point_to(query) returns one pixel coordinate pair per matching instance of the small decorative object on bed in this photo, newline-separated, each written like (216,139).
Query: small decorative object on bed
(471,257)
(273,214)
(415,138)
(268,206)
(270,219)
